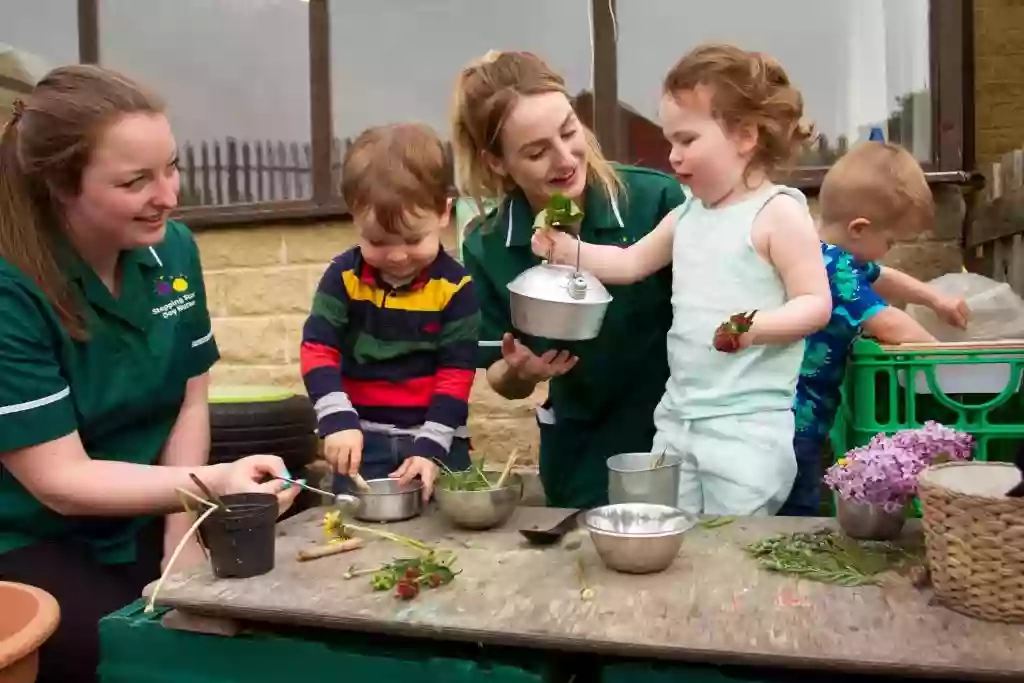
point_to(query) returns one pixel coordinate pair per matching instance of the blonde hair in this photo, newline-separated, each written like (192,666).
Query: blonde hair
(748,87)
(394,170)
(484,94)
(882,182)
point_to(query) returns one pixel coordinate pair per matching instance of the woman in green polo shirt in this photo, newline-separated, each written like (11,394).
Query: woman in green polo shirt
(516,138)
(105,344)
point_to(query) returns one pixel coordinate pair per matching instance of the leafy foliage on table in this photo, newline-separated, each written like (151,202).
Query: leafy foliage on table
(472,479)
(830,557)
(409,576)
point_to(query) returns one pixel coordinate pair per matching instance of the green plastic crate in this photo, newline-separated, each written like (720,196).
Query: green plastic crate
(977,391)
(136,648)
(972,390)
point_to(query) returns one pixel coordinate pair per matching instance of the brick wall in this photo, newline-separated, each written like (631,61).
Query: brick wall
(998,77)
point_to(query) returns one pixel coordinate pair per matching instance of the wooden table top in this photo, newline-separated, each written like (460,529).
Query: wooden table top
(714,604)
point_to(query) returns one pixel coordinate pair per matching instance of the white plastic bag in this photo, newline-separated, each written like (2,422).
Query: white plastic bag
(996,311)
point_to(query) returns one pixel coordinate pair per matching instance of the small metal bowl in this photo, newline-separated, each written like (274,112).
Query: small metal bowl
(386,501)
(637,538)
(481,509)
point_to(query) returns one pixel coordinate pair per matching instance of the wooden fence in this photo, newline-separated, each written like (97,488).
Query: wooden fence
(217,173)
(233,171)
(995,238)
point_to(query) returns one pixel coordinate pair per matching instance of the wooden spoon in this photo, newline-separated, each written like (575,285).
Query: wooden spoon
(360,483)
(505,472)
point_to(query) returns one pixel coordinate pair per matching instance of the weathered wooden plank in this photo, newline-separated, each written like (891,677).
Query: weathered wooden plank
(998,218)
(714,604)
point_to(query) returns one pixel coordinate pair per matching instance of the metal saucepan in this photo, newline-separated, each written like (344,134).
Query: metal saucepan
(386,501)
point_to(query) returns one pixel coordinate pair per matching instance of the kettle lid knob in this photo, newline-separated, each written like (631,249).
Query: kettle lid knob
(577,286)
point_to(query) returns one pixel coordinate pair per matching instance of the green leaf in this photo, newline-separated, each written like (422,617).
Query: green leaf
(560,212)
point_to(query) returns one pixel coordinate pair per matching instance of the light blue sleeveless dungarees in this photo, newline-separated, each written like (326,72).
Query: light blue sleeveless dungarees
(728,415)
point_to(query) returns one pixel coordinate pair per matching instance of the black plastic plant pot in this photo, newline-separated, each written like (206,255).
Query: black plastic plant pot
(241,539)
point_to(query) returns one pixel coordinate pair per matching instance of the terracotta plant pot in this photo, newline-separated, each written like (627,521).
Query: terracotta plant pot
(28,617)
(241,540)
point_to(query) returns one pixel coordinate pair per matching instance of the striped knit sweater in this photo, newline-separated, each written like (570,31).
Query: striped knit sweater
(399,360)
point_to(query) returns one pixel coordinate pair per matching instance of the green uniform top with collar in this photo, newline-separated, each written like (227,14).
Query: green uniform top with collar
(121,390)
(621,374)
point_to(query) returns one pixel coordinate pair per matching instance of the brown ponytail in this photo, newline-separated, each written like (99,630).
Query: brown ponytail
(43,151)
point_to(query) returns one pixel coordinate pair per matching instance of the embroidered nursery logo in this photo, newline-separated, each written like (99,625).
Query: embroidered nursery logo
(177,285)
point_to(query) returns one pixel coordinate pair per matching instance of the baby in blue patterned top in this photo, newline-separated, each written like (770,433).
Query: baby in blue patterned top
(874,196)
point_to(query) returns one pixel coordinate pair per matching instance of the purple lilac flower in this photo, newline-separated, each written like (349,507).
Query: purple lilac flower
(885,471)
(934,440)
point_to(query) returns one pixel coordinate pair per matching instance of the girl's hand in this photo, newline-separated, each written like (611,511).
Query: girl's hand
(530,367)
(554,245)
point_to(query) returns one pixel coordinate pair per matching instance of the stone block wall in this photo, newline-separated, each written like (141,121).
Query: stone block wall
(998,77)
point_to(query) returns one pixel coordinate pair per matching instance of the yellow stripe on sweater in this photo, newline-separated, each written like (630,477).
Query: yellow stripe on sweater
(433,296)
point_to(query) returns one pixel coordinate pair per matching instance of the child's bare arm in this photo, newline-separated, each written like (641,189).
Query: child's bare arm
(893,326)
(896,286)
(610,264)
(794,250)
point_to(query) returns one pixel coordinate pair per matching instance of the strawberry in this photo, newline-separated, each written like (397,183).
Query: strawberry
(406,590)
(411,574)
(727,335)
(433,580)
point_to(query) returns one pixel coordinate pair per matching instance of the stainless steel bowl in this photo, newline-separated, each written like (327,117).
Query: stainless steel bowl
(386,501)
(558,302)
(637,538)
(481,509)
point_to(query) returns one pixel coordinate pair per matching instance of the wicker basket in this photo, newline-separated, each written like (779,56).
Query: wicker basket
(974,535)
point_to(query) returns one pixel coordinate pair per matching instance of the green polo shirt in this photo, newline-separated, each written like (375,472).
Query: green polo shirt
(621,374)
(121,390)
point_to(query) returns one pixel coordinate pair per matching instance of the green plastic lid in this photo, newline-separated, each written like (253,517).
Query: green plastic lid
(248,394)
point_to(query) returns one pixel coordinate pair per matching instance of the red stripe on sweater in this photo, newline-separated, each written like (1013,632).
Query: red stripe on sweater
(455,383)
(313,356)
(413,393)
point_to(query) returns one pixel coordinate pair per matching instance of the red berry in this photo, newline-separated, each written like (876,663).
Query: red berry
(433,580)
(412,573)
(406,590)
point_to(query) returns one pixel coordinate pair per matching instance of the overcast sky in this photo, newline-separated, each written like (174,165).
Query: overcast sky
(239,67)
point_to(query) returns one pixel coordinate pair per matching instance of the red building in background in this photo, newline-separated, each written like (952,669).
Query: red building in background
(643,141)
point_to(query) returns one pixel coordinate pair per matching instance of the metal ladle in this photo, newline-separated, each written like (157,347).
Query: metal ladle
(341,500)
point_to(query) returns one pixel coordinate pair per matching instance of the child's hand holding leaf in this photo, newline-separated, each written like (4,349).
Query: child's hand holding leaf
(554,228)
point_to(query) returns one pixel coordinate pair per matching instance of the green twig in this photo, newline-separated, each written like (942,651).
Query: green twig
(715,522)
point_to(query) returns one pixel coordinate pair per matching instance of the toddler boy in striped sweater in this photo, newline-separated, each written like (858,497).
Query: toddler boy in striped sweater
(389,348)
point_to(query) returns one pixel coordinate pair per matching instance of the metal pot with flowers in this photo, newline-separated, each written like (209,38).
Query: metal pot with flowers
(873,484)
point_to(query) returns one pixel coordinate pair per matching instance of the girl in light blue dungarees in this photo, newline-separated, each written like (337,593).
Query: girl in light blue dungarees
(742,243)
